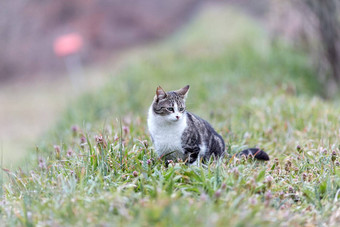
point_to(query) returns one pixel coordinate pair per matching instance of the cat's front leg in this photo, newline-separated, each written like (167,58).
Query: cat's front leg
(192,154)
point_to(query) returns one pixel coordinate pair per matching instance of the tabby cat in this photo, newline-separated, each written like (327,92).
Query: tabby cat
(179,134)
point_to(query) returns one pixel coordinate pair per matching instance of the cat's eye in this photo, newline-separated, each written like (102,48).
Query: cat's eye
(170,109)
(181,109)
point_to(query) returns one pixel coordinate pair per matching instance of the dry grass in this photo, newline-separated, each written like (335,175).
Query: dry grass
(104,171)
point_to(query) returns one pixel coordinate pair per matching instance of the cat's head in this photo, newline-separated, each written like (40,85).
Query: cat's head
(170,105)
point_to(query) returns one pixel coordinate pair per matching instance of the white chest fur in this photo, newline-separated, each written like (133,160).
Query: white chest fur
(166,135)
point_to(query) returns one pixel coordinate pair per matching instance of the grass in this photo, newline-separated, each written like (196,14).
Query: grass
(98,167)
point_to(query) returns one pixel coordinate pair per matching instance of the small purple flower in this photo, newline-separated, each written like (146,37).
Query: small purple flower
(126,130)
(75,130)
(269,180)
(268,195)
(224,186)
(288,165)
(57,149)
(298,148)
(333,156)
(42,163)
(69,152)
(145,143)
(291,190)
(100,140)
(310,177)
(218,193)
(82,140)
(324,152)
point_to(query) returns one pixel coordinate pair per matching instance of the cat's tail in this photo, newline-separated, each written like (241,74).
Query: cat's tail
(256,153)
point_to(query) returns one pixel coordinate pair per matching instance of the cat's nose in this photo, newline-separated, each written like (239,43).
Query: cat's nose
(177,117)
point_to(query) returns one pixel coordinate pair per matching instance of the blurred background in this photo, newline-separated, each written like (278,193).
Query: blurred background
(52,51)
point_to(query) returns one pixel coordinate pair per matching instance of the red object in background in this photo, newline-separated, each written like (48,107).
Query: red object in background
(68,44)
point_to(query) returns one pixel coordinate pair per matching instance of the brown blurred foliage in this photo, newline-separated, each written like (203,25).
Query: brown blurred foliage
(327,14)
(28,29)
(312,26)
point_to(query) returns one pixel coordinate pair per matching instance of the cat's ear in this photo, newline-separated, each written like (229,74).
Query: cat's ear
(160,93)
(183,92)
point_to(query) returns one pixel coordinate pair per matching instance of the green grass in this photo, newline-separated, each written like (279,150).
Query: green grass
(253,91)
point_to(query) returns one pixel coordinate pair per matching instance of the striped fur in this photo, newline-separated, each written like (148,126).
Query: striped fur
(179,134)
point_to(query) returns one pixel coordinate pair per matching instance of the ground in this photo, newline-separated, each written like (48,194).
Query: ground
(97,166)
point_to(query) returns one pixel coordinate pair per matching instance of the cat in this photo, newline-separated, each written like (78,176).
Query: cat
(179,134)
